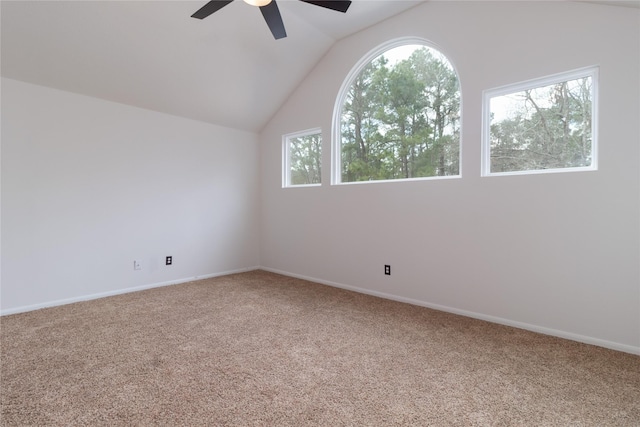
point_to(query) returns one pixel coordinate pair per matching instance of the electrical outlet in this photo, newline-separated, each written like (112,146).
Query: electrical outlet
(387,270)
(168,260)
(137,265)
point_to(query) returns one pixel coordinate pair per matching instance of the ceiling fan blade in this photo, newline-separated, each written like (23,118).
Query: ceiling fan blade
(273,18)
(338,6)
(209,8)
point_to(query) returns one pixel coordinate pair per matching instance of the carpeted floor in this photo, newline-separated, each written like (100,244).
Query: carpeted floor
(260,349)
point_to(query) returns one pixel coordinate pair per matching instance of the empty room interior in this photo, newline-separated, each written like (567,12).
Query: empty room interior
(144,150)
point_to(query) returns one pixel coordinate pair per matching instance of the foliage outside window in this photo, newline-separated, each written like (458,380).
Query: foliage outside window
(302,158)
(546,125)
(400,118)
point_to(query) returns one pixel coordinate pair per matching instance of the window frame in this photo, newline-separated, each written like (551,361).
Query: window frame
(336,135)
(487,95)
(286,157)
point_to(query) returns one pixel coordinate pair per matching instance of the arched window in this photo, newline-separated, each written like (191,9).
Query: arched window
(397,116)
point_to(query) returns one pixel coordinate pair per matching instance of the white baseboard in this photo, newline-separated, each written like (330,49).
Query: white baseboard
(55,303)
(493,319)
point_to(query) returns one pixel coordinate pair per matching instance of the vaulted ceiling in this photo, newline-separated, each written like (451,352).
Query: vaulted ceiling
(226,69)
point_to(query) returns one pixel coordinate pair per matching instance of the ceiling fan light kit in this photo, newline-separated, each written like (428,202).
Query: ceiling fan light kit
(270,11)
(257,2)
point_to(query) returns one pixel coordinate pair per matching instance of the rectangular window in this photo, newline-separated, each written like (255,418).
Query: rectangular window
(302,158)
(543,125)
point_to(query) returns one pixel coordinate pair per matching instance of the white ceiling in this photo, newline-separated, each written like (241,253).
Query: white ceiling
(226,69)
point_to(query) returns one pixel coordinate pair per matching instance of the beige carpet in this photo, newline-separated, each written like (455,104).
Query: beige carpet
(259,349)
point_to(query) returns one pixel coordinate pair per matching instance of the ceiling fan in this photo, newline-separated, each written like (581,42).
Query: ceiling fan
(270,11)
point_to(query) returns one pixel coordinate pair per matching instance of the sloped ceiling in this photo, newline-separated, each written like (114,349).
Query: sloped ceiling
(226,69)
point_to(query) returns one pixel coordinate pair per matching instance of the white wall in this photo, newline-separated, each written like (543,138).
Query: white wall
(88,186)
(555,253)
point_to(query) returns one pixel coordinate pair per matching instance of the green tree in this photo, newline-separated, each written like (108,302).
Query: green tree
(305,157)
(402,115)
(443,99)
(401,120)
(358,125)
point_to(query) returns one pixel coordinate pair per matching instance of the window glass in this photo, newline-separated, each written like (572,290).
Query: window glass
(303,158)
(541,126)
(399,118)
